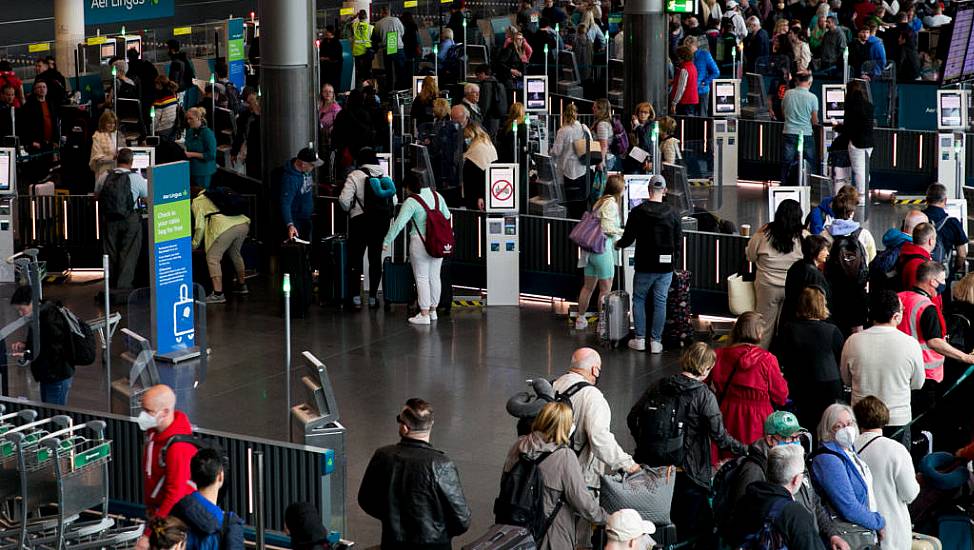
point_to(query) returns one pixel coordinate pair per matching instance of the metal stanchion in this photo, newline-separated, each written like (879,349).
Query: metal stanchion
(287,348)
(108,332)
(258,490)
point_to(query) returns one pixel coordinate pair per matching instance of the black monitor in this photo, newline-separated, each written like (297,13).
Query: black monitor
(419,164)
(677,188)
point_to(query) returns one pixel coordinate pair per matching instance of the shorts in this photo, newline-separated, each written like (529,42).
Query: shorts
(602,266)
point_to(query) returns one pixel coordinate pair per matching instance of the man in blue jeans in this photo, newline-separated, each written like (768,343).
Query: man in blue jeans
(655,227)
(800,108)
(49,365)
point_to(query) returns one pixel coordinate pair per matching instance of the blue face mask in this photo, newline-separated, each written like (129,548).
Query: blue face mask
(781,443)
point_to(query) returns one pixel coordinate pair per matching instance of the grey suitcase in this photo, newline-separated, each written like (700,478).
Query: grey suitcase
(614,324)
(504,537)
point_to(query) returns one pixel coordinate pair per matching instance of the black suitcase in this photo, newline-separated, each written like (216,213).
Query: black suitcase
(504,537)
(295,261)
(678,328)
(398,284)
(333,287)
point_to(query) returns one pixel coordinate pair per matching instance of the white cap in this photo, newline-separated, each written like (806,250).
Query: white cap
(731,4)
(625,525)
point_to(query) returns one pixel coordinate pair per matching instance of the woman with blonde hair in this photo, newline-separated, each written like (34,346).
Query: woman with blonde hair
(505,135)
(564,490)
(567,164)
(105,143)
(711,11)
(422,109)
(600,268)
(200,145)
(480,154)
(602,132)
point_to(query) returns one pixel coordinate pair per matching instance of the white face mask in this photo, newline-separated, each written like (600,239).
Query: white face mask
(846,436)
(146,421)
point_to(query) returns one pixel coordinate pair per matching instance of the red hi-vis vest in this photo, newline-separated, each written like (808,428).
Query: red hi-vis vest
(914,304)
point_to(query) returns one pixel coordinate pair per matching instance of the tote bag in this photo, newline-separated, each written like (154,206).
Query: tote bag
(588,234)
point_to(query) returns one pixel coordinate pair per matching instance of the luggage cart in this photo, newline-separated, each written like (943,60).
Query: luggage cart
(72,471)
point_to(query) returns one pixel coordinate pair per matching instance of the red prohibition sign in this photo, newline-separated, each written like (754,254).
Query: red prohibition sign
(502,190)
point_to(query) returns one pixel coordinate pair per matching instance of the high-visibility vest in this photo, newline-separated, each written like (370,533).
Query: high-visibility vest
(361,37)
(914,304)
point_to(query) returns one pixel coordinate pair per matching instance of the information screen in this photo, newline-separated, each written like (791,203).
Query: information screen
(384,164)
(141,160)
(536,93)
(638,188)
(951,110)
(108,50)
(834,102)
(5,165)
(956,64)
(418,84)
(726,98)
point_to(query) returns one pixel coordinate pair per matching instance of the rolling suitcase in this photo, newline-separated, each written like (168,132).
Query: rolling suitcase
(614,319)
(955,531)
(333,287)
(295,261)
(398,284)
(678,328)
(504,537)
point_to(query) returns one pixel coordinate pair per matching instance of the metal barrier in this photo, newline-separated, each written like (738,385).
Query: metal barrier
(292,473)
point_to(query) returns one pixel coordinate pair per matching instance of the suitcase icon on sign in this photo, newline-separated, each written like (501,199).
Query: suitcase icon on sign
(182,315)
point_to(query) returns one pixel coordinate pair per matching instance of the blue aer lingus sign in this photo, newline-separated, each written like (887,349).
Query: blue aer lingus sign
(99,12)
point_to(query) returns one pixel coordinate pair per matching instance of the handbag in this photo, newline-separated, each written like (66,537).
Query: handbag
(589,147)
(740,294)
(856,536)
(588,235)
(648,491)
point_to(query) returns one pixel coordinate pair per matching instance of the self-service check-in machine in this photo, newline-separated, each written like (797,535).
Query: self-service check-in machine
(952,121)
(503,233)
(833,112)
(726,108)
(637,191)
(8,197)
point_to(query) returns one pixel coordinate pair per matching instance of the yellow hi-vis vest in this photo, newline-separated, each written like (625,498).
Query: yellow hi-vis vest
(361,37)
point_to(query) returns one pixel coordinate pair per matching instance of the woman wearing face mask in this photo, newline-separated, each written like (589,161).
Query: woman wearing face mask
(200,148)
(561,474)
(167,534)
(842,478)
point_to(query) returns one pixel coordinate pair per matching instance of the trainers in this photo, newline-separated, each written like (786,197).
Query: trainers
(357,301)
(373,303)
(420,319)
(655,347)
(638,344)
(241,289)
(581,323)
(433,315)
(216,298)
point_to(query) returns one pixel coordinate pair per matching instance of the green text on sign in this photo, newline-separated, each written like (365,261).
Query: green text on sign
(681,6)
(392,42)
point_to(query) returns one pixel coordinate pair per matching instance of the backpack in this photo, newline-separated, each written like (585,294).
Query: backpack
(620,138)
(724,479)
(498,109)
(659,441)
(941,253)
(82,345)
(768,538)
(453,62)
(116,196)
(883,272)
(195,441)
(439,233)
(521,499)
(849,257)
(958,327)
(524,424)
(378,192)
(213,541)
(227,201)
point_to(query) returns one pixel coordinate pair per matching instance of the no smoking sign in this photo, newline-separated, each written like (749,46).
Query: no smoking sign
(501,188)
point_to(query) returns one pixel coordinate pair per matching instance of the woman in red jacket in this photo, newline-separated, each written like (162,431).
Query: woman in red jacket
(747,380)
(684,97)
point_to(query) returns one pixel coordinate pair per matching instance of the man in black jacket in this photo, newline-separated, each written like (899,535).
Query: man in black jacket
(201,513)
(774,501)
(781,428)
(413,488)
(656,229)
(49,365)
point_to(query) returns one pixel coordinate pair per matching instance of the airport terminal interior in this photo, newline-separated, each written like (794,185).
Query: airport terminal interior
(285,219)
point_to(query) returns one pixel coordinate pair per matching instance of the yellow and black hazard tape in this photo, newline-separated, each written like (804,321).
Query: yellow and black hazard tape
(468,303)
(910,200)
(701,183)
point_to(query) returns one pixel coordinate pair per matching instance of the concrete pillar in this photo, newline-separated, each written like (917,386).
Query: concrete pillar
(69,31)
(286,43)
(646,38)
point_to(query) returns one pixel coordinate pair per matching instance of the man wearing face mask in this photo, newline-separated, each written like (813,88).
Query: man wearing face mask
(780,428)
(165,481)
(775,500)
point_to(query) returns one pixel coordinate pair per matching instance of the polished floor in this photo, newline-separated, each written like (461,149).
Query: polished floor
(466,365)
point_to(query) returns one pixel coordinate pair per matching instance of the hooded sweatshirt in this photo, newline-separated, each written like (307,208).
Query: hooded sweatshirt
(297,199)
(911,256)
(794,523)
(164,487)
(895,238)
(841,228)
(877,53)
(563,480)
(748,383)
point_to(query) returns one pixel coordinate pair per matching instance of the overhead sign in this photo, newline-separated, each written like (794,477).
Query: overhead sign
(170,261)
(180,31)
(41,47)
(681,6)
(96,40)
(98,12)
(346,11)
(235,52)
(501,192)
(410,4)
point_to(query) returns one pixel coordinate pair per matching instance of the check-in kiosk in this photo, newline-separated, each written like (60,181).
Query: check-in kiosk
(726,108)
(536,93)
(833,112)
(143,158)
(777,195)
(952,121)
(501,198)
(8,198)
(637,191)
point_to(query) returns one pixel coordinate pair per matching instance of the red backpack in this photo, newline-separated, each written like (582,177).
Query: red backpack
(439,233)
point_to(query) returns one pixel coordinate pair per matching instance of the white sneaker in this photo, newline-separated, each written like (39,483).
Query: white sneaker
(581,323)
(638,344)
(433,315)
(655,347)
(420,319)
(357,300)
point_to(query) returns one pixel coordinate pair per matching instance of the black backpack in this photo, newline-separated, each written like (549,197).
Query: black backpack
(724,481)
(942,253)
(768,537)
(524,423)
(883,272)
(660,429)
(849,258)
(195,441)
(378,192)
(521,500)
(81,346)
(498,109)
(116,196)
(227,201)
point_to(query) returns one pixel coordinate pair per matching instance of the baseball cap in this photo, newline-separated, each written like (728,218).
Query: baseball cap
(657,182)
(782,424)
(833,15)
(731,4)
(308,155)
(625,525)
